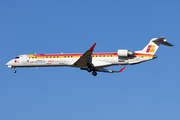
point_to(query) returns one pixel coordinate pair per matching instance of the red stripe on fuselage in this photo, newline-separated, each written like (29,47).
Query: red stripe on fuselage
(44,55)
(141,54)
(80,54)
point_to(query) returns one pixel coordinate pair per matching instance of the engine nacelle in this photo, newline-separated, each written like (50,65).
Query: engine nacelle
(124,53)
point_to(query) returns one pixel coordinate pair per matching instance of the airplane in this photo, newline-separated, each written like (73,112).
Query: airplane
(92,62)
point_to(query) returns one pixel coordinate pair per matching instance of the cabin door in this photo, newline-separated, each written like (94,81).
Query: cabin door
(24,59)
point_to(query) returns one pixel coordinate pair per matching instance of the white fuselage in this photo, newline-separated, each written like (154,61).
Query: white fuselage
(98,60)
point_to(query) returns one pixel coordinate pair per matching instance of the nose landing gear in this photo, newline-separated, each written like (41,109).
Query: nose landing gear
(14,70)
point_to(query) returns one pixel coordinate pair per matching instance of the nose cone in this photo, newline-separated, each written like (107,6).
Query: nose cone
(9,64)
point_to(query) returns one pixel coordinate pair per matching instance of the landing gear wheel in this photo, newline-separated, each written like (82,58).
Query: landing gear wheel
(94,73)
(14,71)
(89,69)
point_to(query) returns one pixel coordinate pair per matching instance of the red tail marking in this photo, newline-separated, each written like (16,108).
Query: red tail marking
(149,48)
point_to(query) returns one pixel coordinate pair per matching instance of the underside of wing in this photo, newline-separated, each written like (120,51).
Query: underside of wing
(110,71)
(106,70)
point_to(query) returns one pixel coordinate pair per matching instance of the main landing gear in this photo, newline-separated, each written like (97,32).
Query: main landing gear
(14,70)
(91,68)
(93,73)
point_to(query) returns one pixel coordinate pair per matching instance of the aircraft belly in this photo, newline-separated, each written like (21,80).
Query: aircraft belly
(101,64)
(105,61)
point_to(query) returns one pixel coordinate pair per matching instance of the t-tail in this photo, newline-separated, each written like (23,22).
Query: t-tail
(153,46)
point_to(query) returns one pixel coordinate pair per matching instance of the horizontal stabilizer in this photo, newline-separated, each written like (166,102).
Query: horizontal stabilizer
(167,44)
(162,40)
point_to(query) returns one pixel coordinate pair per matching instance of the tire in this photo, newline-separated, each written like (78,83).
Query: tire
(94,73)
(89,69)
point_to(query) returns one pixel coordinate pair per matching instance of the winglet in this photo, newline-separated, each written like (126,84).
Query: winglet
(92,48)
(122,69)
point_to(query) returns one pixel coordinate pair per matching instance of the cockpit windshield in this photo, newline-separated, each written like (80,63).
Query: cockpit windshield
(16,57)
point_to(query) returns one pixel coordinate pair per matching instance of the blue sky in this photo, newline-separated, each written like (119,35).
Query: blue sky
(148,90)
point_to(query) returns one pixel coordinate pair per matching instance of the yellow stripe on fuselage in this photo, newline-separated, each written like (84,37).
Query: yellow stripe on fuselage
(65,56)
(143,55)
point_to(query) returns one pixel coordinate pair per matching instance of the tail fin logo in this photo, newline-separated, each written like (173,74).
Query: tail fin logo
(150,49)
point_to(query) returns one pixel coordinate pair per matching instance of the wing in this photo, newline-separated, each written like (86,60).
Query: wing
(110,71)
(106,70)
(85,58)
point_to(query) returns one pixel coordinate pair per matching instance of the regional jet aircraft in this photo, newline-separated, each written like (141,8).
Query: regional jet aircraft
(92,62)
